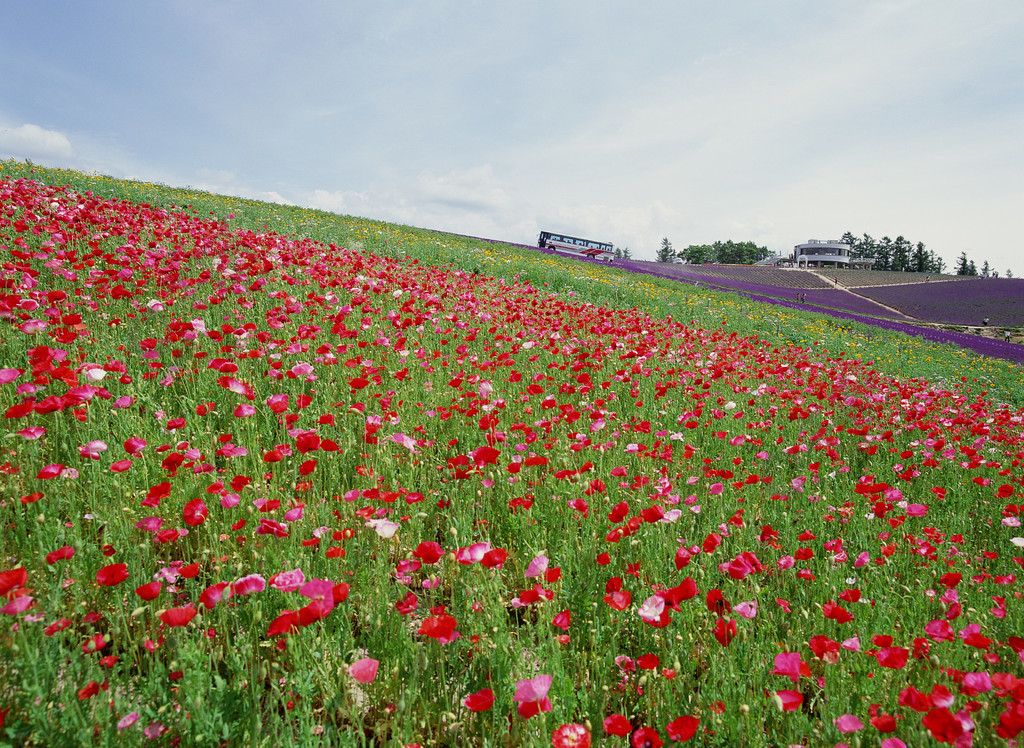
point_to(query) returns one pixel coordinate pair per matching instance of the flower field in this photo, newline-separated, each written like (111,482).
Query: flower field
(1001,300)
(271,476)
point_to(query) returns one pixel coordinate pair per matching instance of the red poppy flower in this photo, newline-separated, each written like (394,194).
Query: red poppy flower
(428,552)
(894,658)
(195,512)
(112,575)
(61,554)
(441,628)
(571,736)
(494,558)
(648,662)
(836,613)
(618,725)
(94,644)
(884,723)
(682,728)
(725,631)
(480,701)
(285,623)
(646,737)
(57,626)
(789,700)
(407,604)
(149,591)
(561,620)
(178,617)
(618,600)
(943,725)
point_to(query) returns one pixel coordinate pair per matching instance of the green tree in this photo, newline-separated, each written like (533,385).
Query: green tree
(963,266)
(665,252)
(698,254)
(919,259)
(901,254)
(864,247)
(739,253)
(627,253)
(1009,273)
(986,270)
(728,252)
(883,254)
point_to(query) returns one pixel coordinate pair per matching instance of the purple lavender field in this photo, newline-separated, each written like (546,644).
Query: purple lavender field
(982,345)
(957,302)
(785,285)
(838,302)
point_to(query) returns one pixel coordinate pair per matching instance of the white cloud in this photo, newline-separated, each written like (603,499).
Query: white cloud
(225,182)
(34,142)
(639,227)
(464,200)
(695,121)
(474,201)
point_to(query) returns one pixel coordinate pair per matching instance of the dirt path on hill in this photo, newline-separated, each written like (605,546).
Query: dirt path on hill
(903,315)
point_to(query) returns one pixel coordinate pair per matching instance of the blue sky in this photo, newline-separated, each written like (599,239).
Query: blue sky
(693,120)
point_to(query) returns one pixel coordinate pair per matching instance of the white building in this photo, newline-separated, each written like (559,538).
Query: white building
(821,253)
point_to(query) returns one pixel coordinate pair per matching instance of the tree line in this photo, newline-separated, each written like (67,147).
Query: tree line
(725,253)
(899,254)
(902,255)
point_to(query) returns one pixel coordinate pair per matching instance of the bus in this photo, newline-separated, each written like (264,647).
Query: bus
(574,245)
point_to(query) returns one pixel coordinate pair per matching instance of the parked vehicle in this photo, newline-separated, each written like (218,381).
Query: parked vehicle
(575,245)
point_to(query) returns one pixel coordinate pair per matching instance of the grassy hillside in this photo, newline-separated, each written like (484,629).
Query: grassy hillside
(394,487)
(598,284)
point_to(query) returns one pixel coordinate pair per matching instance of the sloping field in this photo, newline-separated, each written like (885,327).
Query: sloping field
(859,278)
(262,489)
(766,276)
(927,298)
(768,282)
(960,302)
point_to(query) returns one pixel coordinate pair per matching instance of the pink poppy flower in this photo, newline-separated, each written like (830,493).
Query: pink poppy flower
(848,723)
(472,554)
(17,605)
(248,585)
(788,664)
(537,567)
(652,608)
(893,743)
(364,670)
(747,609)
(93,449)
(50,472)
(532,696)
(128,720)
(288,581)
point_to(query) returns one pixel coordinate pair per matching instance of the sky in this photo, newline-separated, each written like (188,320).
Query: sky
(692,120)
